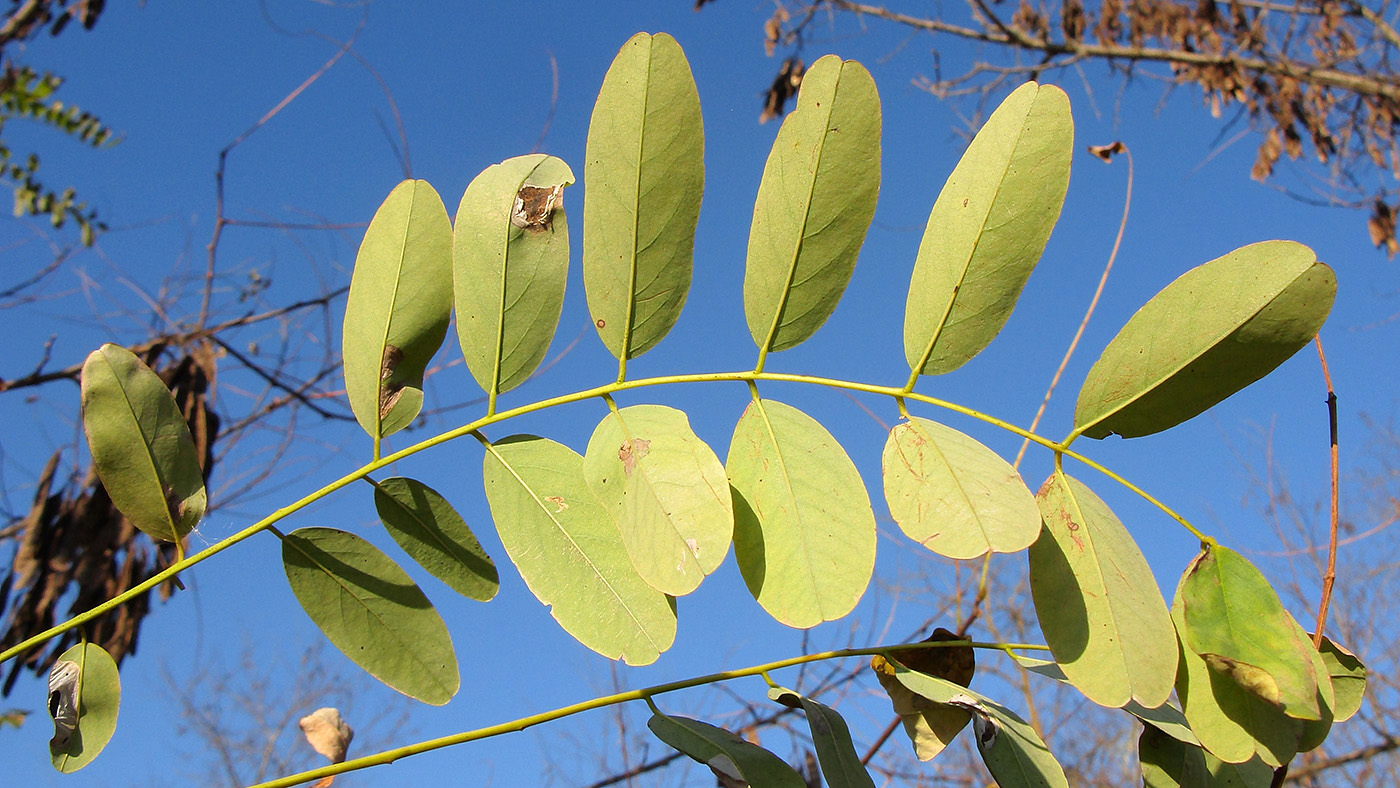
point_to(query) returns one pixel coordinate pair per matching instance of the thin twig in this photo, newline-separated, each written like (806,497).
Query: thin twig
(1093,302)
(1330,576)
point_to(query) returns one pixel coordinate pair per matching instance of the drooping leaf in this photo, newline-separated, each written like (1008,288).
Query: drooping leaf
(570,553)
(1235,622)
(988,228)
(1314,732)
(814,204)
(1348,679)
(724,752)
(840,763)
(1253,773)
(141,445)
(930,726)
(1014,754)
(510,263)
(667,492)
(398,309)
(643,179)
(372,611)
(953,495)
(1098,604)
(1231,723)
(1170,763)
(804,532)
(1166,718)
(97,697)
(427,528)
(1215,330)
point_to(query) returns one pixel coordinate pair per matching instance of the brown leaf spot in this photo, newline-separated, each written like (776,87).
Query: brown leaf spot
(389,393)
(558,502)
(535,207)
(630,451)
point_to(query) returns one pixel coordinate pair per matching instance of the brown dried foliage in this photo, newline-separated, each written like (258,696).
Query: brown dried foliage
(1315,79)
(74,542)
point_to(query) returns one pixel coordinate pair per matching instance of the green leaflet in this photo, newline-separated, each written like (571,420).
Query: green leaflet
(1166,718)
(814,205)
(372,611)
(724,752)
(398,309)
(1348,679)
(1170,763)
(1315,731)
(840,763)
(432,533)
(1099,607)
(1215,330)
(99,694)
(643,178)
(510,263)
(141,445)
(1231,723)
(570,553)
(667,493)
(953,495)
(988,229)
(1235,622)
(804,532)
(1014,754)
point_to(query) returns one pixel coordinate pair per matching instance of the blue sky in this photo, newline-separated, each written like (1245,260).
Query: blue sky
(473,85)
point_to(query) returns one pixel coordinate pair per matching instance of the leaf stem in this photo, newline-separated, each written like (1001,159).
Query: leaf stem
(472,428)
(645,694)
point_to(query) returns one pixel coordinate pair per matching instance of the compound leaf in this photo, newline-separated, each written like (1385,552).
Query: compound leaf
(141,445)
(643,177)
(372,611)
(988,229)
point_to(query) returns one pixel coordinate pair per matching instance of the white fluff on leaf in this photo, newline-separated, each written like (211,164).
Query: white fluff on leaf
(328,735)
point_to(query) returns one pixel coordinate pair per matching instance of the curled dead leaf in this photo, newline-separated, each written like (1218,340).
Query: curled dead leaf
(63,701)
(328,735)
(1107,152)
